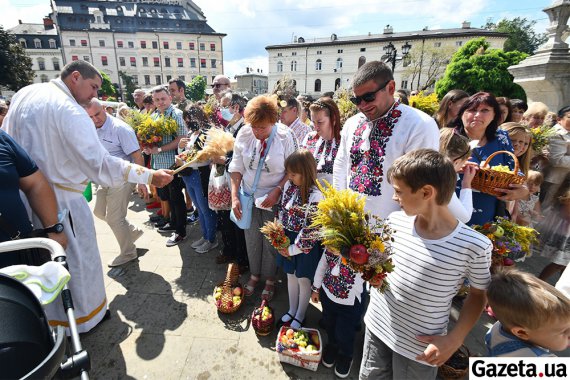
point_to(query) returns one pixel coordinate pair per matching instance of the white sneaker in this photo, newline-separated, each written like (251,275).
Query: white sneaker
(198,243)
(174,239)
(207,246)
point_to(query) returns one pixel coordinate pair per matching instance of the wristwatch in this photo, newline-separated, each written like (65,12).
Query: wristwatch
(159,149)
(56,228)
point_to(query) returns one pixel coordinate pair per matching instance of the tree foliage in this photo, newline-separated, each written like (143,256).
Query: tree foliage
(426,64)
(522,36)
(15,66)
(475,68)
(107,88)
(196,89)
(130,87)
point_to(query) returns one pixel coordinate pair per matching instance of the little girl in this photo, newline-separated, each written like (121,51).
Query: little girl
(456,147)
(297,208)
(527,210)
(520,136)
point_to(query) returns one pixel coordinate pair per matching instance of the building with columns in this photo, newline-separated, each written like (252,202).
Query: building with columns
(324,64)
(152,41)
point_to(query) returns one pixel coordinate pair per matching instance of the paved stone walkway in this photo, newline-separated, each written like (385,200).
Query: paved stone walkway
(164,324)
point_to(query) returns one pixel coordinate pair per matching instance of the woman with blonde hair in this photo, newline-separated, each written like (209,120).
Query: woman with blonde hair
(535,114)
(449,107)
(520,139)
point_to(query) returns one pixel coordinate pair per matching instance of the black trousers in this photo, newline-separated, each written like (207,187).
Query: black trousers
(177,205)
(233,238)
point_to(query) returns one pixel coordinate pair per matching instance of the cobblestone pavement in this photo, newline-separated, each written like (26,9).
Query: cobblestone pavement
(164,324)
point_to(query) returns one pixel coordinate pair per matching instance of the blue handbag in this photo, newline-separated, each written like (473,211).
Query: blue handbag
(245,198)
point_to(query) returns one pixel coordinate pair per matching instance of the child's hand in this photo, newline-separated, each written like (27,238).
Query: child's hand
(439,349)
(284,252)
(315,297)
(469,172)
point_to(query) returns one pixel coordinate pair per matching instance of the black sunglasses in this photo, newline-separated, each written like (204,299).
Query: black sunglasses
(369,96)
(216,85)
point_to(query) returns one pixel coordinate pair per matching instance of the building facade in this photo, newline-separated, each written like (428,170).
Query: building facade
(152,41)
(42,45)
(325,64)
(252,83)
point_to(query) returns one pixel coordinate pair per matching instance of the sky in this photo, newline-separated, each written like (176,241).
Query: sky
(252,25)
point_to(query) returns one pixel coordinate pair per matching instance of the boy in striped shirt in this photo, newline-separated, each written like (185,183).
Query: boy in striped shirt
(406,327)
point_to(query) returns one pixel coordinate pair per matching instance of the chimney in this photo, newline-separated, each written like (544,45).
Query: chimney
(388,29)
(247,70)
(48,23)
(465,25)
(20,22)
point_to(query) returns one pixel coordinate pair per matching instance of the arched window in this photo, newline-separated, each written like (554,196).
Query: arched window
(37,43)
(319,65)
(279,66)
(317,85)
(339,63)
(361,61)
(337,84)
(293,65)
(44,78)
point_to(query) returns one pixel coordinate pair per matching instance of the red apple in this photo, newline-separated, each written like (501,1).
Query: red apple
(359,254)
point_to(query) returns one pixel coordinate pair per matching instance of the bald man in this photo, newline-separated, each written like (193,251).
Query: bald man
(111,204)
(220,85)
(138,96)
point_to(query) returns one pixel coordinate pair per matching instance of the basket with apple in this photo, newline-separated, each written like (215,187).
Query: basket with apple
(262,319)
(300,347)
(228,295)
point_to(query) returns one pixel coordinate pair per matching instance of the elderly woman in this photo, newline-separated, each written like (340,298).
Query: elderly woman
(254,144)
(449,107)
(478,119)
(535,114)
(323,142)
(559,148)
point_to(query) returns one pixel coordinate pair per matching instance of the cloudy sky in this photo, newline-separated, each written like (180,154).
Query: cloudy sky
(252,25)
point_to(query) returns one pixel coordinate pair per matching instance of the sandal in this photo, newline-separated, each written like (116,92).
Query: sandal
(298,321)
(269,291)
(249,288)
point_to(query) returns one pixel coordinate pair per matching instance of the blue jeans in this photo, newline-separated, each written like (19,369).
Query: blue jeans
(206,216)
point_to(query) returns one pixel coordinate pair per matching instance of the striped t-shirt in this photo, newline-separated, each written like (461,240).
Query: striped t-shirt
(426,277)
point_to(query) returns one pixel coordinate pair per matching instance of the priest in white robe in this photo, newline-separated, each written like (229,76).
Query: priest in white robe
(48,120)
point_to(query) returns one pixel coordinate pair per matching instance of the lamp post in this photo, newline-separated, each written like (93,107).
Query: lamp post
(392,53)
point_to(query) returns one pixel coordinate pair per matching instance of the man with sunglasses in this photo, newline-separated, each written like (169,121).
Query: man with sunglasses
(371,140)
(220,85)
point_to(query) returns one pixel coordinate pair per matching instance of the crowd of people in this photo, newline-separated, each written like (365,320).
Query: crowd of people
(414,170)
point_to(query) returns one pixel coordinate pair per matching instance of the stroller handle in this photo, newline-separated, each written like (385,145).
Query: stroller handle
(53,246)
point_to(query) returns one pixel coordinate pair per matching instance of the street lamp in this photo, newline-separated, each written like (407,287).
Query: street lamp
(392,54)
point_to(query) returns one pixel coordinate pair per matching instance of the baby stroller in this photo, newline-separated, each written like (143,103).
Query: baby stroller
(29,347)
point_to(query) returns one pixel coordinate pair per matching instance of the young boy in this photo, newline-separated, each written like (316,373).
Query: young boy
(406,327)
(534,316)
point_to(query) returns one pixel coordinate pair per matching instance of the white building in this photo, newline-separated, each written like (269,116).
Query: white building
(324,64)
(252,82)
(151,40)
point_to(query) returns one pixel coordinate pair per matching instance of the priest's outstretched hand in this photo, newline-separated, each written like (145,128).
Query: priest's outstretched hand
(162,177)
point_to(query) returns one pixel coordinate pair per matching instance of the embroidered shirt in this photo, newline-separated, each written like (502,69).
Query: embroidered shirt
(324,152)
(165,160)
(341,284)
(299,130)
(367,149)
(502,344)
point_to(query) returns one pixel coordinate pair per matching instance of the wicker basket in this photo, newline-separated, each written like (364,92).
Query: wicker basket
(486,180)
(262,327)
(226,303)
(457,366)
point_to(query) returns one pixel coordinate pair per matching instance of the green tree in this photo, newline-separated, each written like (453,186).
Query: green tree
(475,68)
(522,36)
(196,89)
(15,66)
(107,88)
(130,87)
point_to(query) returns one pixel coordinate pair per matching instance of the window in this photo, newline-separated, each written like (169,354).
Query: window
(168,78)
(135,79)
(101,43)
(339,51)
(167,62)
(458,43)
(71,42)
(212,47)
(279,66)
(23,43)
(280,54)
(182,77)
(179,45)
(404,84)
(437,44)
(202,46)
(56,64)
(154,44)
(339,63)
(143,44)
(203,63)
(120,44)
(192,62)
(191,45)
(145,61)
(336,84)
(104,61)
(180,62)
(293,65)
(133,62)
(147,80)
(294,53)
(98,19)
(319,65)
(158,79)
(156,61)
(44,78)
(213,63)
(52,44)
(362,49)
(74,58)
(122,61)
(319,52)
(86,58)
(37,44)
(41,64)
(317,85)
(361,61)
(131,44)
(83,43)
(165,44)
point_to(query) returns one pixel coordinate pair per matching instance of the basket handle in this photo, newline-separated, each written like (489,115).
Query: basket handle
(263,303)
(516,169)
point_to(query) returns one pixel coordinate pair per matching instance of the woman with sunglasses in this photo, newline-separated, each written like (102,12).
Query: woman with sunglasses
(478,120)
(371,140)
